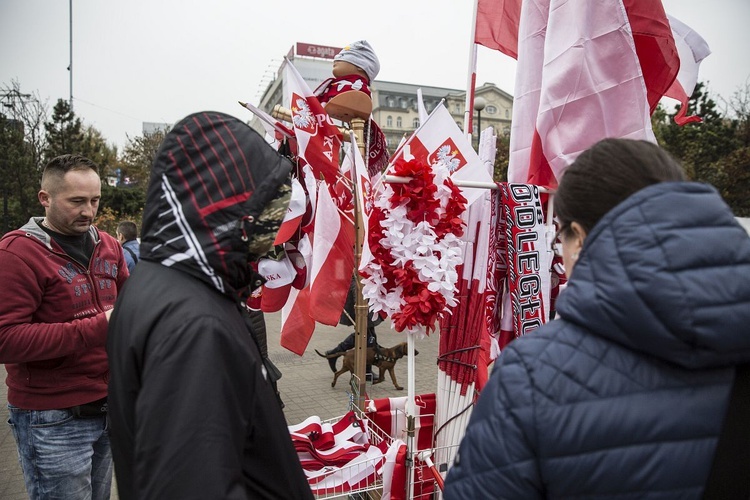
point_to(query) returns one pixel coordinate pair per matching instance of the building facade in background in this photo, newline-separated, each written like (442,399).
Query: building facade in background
(394,104)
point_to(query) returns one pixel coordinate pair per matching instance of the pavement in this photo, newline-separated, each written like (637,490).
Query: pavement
(305,387)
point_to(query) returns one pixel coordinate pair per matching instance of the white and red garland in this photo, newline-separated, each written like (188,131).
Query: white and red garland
(414,236)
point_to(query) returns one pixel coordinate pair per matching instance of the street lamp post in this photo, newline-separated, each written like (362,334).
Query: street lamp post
(479,104)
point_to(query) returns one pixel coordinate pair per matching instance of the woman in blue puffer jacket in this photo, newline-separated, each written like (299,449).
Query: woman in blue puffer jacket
(625,394)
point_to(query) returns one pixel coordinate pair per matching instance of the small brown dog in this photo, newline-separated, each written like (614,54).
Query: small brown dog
(382,357)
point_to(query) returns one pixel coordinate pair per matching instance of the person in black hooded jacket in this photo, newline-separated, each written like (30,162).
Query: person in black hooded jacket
(192,412)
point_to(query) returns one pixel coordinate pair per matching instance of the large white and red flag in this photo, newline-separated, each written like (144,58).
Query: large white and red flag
(318,138)
(362,184)
(439,140)
(332,259)
(294,213)
(329,272)
(497,25)
(297,326)
(692,49)
(586,70)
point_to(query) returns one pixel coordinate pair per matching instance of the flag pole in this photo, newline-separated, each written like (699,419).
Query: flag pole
(396,179)
(471,78)
(360,308)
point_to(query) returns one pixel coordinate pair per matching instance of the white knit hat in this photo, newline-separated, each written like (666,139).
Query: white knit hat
(361,55)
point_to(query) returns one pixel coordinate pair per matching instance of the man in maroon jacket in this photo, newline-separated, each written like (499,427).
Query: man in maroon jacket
(60,277)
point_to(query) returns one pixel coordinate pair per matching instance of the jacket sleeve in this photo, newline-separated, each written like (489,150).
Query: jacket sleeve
(257,323)
(21,339)
(496,458)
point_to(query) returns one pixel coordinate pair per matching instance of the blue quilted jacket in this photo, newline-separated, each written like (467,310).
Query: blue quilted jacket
(624,395)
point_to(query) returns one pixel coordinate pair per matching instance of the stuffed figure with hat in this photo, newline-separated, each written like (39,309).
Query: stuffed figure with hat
(347,96)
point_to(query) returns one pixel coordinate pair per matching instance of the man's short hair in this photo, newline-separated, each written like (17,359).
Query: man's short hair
(58,166)
(128,230)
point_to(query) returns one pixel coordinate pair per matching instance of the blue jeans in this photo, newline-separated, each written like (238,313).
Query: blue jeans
(62,457)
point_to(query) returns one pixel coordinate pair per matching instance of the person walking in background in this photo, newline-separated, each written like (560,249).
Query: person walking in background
(60,278)
(625,394)
(127,235)
(193,413)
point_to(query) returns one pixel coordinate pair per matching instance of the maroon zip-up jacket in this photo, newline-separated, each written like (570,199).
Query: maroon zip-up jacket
(52,323)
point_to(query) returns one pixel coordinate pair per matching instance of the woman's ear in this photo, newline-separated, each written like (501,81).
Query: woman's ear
(577,236)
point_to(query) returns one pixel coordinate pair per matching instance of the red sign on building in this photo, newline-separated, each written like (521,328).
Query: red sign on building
(310,50)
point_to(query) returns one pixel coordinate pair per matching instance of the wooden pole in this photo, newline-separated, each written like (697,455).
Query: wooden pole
(358,383)
(360,307)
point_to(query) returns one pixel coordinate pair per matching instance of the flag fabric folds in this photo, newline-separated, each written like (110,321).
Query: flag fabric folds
(349,455)
(497,25)
(318,138)
(332,260)
(329,270)
(586,70)
(294,213)
(439,140)
(692,49)
(325,223)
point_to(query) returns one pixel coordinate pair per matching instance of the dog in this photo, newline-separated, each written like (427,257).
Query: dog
(382,357)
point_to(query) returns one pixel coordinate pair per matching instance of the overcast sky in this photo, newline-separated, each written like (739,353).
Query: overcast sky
(158,60)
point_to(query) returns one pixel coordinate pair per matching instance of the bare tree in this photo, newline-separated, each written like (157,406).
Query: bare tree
(22,142)
(29,110)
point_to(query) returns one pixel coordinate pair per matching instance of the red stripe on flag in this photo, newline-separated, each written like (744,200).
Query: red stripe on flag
(497,25)
(333,261)
(296,324)
(655,47)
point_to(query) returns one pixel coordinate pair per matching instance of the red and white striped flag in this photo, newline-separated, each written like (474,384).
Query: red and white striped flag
(692,49)
(294,213)
(389,414)
(497,25)
(297,326)
(439,140)
(332,260)
(329,272)
(354,161)
(586,70)
(346,456)
(318,138)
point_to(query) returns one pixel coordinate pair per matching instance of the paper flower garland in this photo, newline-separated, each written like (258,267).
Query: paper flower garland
(414,237)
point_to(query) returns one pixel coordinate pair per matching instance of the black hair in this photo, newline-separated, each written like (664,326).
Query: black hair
(606,174)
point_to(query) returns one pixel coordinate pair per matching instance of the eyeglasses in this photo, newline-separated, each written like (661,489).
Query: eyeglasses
(556,247)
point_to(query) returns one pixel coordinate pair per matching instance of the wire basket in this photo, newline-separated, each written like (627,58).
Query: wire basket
(360,478)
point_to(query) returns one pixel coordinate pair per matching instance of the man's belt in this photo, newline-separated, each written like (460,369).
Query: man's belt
(96,408)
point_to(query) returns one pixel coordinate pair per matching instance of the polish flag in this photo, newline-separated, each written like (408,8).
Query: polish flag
(389,414)
(329,271)
(497,25)
(294,213)
(318,138)
(363,184)
(297,326)
(586,70)
(332,260)
(439,140)
(692,49)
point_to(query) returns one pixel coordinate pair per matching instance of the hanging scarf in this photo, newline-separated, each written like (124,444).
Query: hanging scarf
(528,257)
